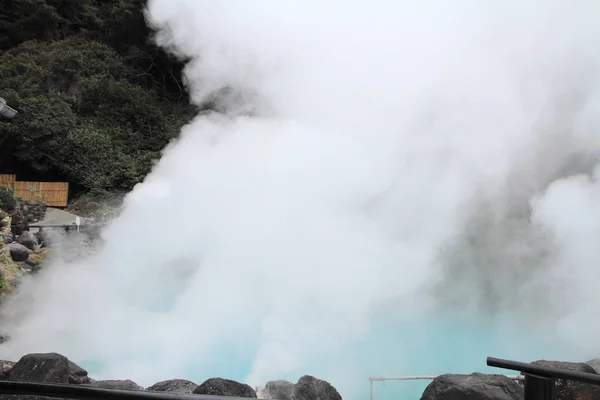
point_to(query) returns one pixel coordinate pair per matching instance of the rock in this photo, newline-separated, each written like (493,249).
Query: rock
(46,368)
(77,375)
(571,390)
(6,237)
(175,386)
(280,390)
(5,367)
(311,388)
(225,387)
(117,384)
(28,240)
(49,368)
(595,363)
(18,252)
(473,387)
(32,266)
(43,238)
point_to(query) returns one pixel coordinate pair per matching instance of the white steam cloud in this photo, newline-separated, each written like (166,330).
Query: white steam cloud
(388,183)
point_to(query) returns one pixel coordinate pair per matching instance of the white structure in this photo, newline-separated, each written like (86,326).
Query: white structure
(5,110)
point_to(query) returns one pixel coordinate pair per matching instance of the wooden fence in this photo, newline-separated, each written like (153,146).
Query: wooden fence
(53,194)
(8,180)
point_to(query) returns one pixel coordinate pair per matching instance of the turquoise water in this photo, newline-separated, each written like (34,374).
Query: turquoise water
(428,347)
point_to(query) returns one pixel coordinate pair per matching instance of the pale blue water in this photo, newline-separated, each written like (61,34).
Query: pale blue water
(438,346)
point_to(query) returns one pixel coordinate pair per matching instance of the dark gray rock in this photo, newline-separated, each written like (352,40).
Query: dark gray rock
(18,252)
(43,238)
(6,237)
(32,266)
(571,390)
(280,390)
(77,375)
(117,384)
(28,240)
(47,368)
(311,388)
(595,363)
(5,367)
(473,387)
(175,386)
(225,387)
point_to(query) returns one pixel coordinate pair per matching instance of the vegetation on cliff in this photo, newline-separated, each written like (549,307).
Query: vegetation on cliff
(97,100)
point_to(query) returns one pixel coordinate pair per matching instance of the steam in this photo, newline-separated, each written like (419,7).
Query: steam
(391,187)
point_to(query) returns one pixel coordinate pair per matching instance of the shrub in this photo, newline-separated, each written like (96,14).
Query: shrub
(7,201)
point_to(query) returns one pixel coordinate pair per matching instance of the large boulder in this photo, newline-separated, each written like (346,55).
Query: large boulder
(175,386)
(117,384)
(18,252)
(225,387)
(48,368)
(280,390)
(473,387)
(572,390)
(311,388)
(5,367)
(28,240)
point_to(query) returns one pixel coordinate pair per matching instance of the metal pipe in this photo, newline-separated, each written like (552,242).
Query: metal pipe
(85,392)
(400,378)
(548,372)
(430,377)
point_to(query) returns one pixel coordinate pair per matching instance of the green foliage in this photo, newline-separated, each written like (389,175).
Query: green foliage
(7,201)
(2,279)
(96,102)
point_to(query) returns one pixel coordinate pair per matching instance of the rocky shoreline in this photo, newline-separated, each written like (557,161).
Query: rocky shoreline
(56,368)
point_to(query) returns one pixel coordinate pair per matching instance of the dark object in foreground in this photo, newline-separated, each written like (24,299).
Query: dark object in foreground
(309,388)
(225,387)
(280,389)
(175,386)
(473,387)
(85,392)
(570,389)
(540,380)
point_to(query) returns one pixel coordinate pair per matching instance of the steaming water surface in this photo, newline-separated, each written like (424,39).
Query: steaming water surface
(390,188)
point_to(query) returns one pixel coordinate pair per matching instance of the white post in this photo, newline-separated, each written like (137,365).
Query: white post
(77,222)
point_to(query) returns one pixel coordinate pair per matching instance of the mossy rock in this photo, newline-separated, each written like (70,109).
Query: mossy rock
(8,269)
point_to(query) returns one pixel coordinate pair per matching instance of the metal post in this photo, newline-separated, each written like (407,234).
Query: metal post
(370,390)
(539,388)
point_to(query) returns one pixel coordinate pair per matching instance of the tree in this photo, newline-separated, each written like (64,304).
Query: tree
(97,102)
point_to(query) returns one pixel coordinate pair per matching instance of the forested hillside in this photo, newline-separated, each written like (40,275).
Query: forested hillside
(97,101)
